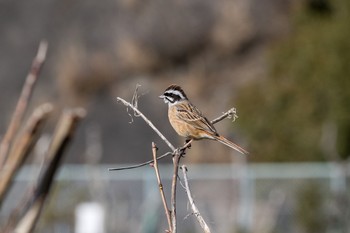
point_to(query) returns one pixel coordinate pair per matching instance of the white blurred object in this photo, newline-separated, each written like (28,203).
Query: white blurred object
(89,218)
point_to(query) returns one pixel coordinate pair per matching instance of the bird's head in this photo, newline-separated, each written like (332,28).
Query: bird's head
(173,94)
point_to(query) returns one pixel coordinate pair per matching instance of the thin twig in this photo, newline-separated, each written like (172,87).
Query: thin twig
(160,185)
(23,102)
(134,102)
(141,164)
(194,208)
(149,162)
(135,98)
(147,121)
(229,114)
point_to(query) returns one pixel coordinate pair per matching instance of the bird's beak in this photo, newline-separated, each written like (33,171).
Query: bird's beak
(162,96)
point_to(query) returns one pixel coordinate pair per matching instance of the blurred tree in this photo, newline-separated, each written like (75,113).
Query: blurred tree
(308,86)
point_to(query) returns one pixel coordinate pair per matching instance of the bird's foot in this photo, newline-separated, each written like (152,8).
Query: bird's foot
(187,144)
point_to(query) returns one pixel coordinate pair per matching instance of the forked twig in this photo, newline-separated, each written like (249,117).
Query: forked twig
(194,208)
(160,185)
(149,162)
(177,154)
(23,101)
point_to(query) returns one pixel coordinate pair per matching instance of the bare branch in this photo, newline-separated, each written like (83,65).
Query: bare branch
(176,161)
(178,154)
(23,101)
(141,164)
(160,185)
(147,121)
(149,162)
(22,147)
(194,208)
(229,114)
(62,136)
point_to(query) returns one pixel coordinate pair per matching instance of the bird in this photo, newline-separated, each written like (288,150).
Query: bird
(188,121)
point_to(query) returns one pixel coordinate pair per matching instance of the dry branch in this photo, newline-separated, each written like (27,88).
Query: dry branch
(176,161)
(22,147)
(147,121)
(194,208)
(23,101)
(62,136)
(177,154)
(231,113)
(149,162)
(160,185)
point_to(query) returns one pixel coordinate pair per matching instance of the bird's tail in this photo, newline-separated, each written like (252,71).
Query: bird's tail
(231,145)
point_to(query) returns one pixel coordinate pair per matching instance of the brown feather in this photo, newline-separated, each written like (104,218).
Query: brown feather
(192,115)
(231,145)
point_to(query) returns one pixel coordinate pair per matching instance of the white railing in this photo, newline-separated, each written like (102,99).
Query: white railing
(243,209)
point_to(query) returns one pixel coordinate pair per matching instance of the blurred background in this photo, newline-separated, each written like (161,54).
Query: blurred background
(283,64)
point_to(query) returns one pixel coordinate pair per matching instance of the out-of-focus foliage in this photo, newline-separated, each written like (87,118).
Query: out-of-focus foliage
(310,210)
(307,88)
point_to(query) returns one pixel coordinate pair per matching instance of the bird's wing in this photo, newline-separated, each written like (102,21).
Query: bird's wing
(192,115)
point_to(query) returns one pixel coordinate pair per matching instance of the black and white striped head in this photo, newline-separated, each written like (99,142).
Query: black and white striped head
(173,94)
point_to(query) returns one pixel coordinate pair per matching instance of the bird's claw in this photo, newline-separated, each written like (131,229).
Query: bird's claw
(189,145)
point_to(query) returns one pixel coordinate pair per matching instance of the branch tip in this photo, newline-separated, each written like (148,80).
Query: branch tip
(42,51)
